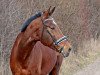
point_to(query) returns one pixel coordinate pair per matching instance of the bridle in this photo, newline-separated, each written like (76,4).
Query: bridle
(55,42)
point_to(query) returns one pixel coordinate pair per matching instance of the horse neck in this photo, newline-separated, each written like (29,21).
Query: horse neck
(25,47)
(27,41)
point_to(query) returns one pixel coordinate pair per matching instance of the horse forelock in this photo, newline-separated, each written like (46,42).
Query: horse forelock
(28,21)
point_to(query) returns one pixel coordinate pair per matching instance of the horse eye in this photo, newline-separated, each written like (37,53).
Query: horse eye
(52,27)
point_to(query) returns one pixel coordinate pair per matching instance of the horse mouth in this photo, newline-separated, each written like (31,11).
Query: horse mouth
(66,54)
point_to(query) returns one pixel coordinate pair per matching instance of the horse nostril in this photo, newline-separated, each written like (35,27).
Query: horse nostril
(69,49)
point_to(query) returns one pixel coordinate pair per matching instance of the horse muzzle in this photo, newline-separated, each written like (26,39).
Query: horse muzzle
(64,53)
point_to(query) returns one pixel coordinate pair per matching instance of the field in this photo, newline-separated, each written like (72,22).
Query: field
(78,19)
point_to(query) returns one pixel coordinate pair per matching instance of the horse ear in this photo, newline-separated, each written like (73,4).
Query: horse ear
(49,9)
(50,13)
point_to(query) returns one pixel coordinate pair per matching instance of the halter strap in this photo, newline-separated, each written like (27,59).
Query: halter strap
(55,42)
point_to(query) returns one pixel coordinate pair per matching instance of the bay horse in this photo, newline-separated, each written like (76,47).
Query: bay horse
(40,46)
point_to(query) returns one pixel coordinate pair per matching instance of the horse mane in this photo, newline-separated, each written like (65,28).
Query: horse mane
(27,22)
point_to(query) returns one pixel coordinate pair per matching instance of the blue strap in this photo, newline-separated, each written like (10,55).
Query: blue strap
(60,40)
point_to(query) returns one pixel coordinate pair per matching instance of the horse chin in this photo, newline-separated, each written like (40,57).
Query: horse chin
(65,54)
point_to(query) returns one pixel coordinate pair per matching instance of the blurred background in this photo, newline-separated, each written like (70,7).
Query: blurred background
(78,19)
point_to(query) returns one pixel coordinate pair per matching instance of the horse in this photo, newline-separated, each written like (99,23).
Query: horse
(40,47)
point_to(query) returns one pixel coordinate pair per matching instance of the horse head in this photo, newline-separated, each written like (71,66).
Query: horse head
(46,30)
